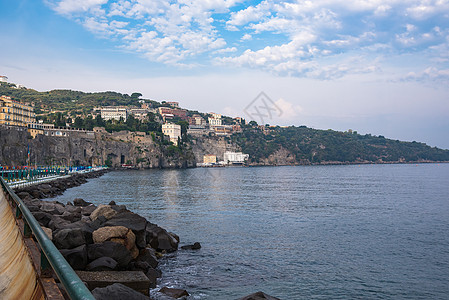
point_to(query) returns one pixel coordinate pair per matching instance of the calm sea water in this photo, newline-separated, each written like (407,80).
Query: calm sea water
(339,232)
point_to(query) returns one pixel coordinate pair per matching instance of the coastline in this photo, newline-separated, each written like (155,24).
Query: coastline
(106,240)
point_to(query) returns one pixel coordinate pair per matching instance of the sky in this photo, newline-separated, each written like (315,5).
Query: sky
(373,66)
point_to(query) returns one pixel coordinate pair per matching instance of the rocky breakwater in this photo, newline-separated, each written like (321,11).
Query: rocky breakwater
(113,250)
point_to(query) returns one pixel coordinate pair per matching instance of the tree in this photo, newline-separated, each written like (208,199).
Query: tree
(136,95)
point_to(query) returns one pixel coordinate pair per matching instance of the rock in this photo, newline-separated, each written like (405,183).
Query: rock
(88,210)
(85,227)
(139,266)
(159,239)
(174,293)
(112,203)
(69,238)
(71,217)
(72,209)
(76,257)
(195,246)
(132,279)
(117,291)
(117,234)
(57,223)
(110,249)
(259,296)
(52,208)
(153,275)
(23,195)
(48,232)
(102,264)
(148,256)
(43,218)
(132,221)
(103,210)
(80,202)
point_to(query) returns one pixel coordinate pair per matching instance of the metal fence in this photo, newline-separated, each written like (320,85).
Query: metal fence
(50,255)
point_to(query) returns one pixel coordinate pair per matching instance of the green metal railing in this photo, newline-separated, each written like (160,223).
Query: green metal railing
(50,255)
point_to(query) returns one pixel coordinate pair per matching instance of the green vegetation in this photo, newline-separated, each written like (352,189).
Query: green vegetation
(319,146)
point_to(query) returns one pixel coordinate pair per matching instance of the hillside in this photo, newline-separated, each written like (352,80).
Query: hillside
(265,145)
(302,145)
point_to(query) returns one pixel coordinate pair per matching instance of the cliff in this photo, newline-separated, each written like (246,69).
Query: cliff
(99,148)
(214,145)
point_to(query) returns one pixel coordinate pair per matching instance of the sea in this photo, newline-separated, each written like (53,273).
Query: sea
(294,232)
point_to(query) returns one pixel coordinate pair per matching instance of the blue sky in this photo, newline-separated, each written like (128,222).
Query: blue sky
(374,66)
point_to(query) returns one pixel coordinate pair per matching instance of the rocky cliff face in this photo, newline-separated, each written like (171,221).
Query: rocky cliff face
(96,149)
(213,145)
(282,157)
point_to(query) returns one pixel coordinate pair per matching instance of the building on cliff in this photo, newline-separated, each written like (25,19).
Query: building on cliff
(215,120)
(114,113)
(173,131)
(235,158)
(15,113)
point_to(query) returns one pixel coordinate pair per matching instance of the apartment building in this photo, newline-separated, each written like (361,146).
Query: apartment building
(15,113)
(173,131)
(114,113)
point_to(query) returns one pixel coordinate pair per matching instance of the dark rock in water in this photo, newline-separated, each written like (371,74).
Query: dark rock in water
(112,203)
(110,249)
(69,238)
(148,256)
(76,257)
(139,266)
(102,264)
(195,246)
(132,221)
(117,291)
(153,275)
(259,296)
(159,239)
(174,293)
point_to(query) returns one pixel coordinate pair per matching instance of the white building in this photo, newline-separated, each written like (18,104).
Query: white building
(3,79)
(235,157)
(173,131)
(215,120)
(114,113)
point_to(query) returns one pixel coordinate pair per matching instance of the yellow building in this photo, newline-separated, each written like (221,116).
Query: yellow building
(209,159)
(15,113)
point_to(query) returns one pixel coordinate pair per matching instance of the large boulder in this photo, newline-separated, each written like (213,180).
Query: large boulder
(117,234)
(147,255)
(117,291)
(57,223)
(174,293)
(85,227)
(103,210)
(76,257)
(259,296)
(88,210)
(43,218)
(102,264)
(110,249)
(132,221)
(153,275)
(52,208)
(159,239)
(81,202)
(69,238)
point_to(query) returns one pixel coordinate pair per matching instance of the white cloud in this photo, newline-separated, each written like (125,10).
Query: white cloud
(290,111)
(292,38)
(76,6)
